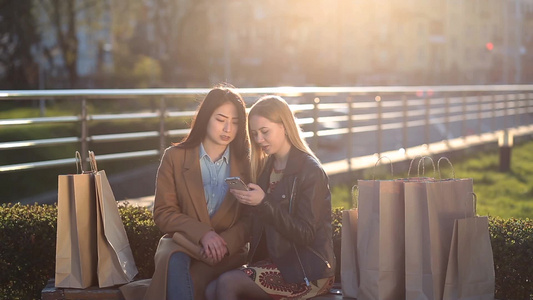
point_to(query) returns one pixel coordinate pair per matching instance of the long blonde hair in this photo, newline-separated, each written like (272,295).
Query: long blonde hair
(275,109)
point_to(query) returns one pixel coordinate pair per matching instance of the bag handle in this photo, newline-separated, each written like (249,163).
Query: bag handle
(355,203)
(79,163)
(422,158)
(376,164)
(92,160)
(474,199)
(411,165)
(449,162)
(421,161)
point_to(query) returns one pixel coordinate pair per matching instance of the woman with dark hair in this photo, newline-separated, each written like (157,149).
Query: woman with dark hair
(291,249)
(193,205)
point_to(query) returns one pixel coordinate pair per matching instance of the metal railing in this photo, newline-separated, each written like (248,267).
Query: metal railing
(338,122)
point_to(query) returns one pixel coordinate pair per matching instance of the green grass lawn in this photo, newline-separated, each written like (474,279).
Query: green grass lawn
(502,194)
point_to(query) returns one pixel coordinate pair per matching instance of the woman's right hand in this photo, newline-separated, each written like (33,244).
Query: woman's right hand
(252,197)
(214,246)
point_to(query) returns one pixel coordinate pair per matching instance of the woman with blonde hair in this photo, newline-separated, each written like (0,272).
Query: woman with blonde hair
(291,249)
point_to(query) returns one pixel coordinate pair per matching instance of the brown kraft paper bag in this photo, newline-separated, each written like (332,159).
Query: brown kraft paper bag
(381,240)
(349,266)
(116,264)
(76,230)
(431,207)
(470,273)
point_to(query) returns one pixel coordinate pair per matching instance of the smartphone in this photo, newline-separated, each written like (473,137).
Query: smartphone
(236,183)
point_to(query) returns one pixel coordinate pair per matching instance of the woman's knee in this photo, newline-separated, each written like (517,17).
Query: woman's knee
(178,274)
(179,259)
(236,284)
(230,281)
(210,291)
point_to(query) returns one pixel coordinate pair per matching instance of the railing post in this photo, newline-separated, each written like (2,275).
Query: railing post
(447,118)
(42,107)
(426,127)
(380,125)
(479,99)
(162,116)
(316,101)
(349,140)
(529,107)
(405,116)
(517,109)
(463,113)
(493,120)
(505,105)
(84,133)
(505,143)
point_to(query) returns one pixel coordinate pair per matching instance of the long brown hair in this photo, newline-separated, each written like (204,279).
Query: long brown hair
(219,95)
(275,109)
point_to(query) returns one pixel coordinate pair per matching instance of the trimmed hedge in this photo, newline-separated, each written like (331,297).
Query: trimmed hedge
(28,235)
(28,241)
(512,246)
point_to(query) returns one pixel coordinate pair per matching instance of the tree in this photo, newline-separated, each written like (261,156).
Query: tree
(18,37)
(62,21)
(173,33)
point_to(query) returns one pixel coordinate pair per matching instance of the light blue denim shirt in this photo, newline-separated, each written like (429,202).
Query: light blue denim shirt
(213,175)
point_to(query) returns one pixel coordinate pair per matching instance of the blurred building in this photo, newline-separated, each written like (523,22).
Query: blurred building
(297,42)
(348,42)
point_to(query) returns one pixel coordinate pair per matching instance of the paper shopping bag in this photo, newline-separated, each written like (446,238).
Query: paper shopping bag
(418,282)
(445,204)
(470,271)
(76,230)
(381,239)
(115,258)
(431,207)
(349,266)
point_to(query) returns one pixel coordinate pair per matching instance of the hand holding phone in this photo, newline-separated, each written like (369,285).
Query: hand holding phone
(236,183)
(250,194)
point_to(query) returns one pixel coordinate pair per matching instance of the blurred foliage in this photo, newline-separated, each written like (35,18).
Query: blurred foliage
(145,51)
(147,71)
(19,35)
(27,253)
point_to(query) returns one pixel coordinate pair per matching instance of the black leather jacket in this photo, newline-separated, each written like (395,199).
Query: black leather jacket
(296,221)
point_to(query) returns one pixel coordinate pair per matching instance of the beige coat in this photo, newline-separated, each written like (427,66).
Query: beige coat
(180,206)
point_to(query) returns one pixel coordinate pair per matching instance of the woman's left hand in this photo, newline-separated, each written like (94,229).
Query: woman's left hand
(252,197)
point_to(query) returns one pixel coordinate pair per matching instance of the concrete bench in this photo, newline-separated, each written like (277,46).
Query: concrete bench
(50,292)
